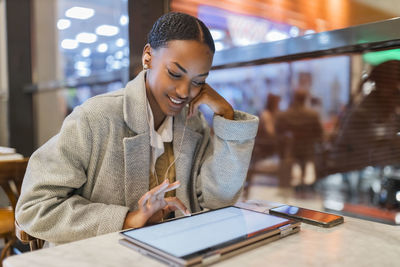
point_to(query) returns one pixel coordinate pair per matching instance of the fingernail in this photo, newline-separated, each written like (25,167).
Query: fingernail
(187,213)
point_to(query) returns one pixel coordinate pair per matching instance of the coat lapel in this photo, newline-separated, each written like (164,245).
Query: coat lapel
(136,148)
(183,164)
(135,102)
(137,166)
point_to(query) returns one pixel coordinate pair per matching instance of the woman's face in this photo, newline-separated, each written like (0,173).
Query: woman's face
(176,74)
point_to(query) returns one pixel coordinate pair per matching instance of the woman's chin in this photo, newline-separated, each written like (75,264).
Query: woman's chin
(173,111)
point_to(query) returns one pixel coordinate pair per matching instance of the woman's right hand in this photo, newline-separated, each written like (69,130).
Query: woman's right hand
(153,206)
(213,100)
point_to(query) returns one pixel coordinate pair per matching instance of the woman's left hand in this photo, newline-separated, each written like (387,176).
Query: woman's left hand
(215,101)
(154,205)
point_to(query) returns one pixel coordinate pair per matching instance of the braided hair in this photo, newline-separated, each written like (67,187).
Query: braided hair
(179,26)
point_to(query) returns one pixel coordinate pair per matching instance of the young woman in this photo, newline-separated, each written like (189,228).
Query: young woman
(131,157)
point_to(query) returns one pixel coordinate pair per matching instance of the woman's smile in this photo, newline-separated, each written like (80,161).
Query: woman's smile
(176,103)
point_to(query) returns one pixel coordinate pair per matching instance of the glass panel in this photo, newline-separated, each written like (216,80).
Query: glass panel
(80,49)
(329,126)
(93,42)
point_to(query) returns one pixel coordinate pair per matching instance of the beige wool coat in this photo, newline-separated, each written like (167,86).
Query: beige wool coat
(84,180)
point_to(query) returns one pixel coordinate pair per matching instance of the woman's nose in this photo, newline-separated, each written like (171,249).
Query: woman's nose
(183,91)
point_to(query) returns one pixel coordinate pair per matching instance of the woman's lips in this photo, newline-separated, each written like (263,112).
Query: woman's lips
(176,103)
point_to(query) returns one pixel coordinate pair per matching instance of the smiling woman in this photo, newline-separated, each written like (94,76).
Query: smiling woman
(176,75)
(137,155)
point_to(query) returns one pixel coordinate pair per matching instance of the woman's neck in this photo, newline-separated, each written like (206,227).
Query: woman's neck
(158,115)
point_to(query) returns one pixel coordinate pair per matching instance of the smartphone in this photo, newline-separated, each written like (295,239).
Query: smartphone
(314,217)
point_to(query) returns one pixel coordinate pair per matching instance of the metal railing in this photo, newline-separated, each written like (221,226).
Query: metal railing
(366,37)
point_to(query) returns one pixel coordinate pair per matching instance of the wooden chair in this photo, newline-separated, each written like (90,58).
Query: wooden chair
(11,175)
(34,243)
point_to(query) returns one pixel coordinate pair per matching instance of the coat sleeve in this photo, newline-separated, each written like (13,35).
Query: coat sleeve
(50,206)
(226,160)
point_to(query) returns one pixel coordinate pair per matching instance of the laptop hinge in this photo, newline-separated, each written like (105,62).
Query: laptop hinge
(286,230)
(210,258)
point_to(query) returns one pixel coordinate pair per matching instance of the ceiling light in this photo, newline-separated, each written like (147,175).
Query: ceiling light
(120,42)
(84,72)
(107,30)
(86,37)
(116,65)
(69,44)
(86,52)
(63,24)
(123,20)
(80,65)
(119,55)
(102,48)
(77,12)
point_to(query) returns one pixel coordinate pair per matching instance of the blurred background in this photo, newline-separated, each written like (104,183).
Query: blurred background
(322,75)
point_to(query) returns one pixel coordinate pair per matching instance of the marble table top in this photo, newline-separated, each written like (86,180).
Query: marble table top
(354,243)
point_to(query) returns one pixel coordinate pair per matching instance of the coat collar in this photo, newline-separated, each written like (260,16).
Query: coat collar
(135,103)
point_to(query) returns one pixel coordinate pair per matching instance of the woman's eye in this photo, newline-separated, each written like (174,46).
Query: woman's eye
(198,83)
(174,75)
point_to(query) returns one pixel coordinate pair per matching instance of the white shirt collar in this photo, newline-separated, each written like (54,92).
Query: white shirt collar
(157,138)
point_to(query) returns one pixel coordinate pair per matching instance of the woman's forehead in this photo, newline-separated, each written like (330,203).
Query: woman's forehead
(189,54)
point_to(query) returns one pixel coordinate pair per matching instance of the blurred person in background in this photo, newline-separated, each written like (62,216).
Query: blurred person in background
(265,143)
(299,131)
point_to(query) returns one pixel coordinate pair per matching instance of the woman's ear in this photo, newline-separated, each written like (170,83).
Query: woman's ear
(146,57)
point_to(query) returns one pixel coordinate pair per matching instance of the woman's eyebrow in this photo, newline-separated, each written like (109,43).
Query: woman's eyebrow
(179,66)
(185,71)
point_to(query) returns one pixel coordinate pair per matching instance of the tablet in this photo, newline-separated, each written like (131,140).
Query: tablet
(208,236)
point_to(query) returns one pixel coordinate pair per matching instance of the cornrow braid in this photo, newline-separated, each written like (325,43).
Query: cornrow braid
(179,26)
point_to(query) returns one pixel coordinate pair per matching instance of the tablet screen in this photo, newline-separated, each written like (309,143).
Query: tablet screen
(189,235)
